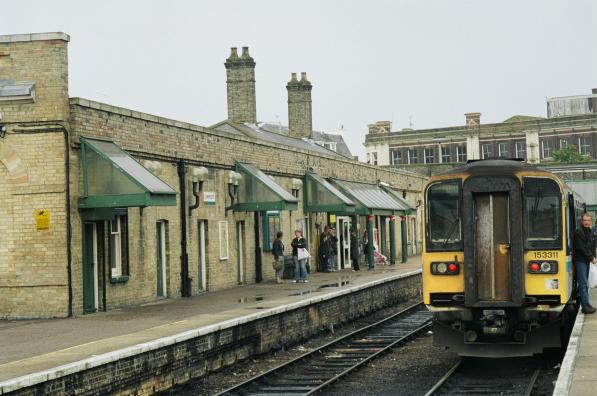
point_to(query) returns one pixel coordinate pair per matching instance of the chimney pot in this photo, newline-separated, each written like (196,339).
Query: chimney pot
(245,52)
(293,77)
(304,76)
(233,52)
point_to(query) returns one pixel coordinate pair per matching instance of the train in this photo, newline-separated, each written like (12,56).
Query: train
(497,258)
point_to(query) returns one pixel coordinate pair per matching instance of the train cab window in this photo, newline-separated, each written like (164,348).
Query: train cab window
(542,214)
(444,217)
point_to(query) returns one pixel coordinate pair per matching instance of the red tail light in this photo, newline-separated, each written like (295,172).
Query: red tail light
(534,267)
(452,268)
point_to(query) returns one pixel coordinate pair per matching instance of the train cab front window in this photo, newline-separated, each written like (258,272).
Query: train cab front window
(444,216)
(542,214)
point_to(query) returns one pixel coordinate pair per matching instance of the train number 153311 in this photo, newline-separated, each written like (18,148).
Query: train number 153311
(546,255)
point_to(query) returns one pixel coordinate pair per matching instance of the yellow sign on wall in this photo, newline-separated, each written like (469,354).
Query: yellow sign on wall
(332,218)
(42,219)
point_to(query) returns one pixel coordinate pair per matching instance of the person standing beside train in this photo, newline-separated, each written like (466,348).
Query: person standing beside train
(583,255)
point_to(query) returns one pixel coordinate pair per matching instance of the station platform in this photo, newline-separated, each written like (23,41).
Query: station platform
(38,351)
(577,375)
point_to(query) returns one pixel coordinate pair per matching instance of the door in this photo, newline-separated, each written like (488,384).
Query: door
(343,234)
(202,234)
(240,252)
(90,295)
(492,246)
(161,258)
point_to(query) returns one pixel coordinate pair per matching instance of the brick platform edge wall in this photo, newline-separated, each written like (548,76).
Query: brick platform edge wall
(160,369)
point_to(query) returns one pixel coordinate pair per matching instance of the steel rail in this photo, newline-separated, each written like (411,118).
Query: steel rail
(456,381)
(325,379)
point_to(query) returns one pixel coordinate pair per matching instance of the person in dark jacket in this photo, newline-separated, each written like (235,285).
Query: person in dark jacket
(322,259)
(333,241)
(354,249)
(300,266)
(583,255)
(278,250)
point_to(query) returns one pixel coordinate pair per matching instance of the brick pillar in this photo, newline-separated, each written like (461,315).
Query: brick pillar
(240,84)
(300,114)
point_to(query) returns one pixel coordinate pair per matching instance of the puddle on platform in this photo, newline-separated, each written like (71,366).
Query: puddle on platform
(303,292)
(244,300)
(341,282)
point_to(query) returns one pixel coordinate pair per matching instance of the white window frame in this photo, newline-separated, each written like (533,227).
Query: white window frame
(445,160)
(432,156)
(522,152)
(549,148)
(506,149)
(396,154)
(460,152)
(374,158)
(564,145)
(116,245)
(410,158)
(223,239)
(490,152)
(583,147)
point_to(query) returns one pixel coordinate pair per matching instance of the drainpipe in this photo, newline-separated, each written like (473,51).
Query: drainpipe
(258,274)
(371,246)
(69,253)
(184,257)
(392,240)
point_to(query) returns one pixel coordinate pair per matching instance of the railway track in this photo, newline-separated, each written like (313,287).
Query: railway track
(319,368)
(489,377)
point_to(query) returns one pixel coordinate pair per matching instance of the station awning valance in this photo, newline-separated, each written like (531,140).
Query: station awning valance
(406,207)
(321,196)
(259,192)
(368,198)
(114,179)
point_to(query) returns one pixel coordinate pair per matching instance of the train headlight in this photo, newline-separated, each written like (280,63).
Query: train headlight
(441,268)
(543,267)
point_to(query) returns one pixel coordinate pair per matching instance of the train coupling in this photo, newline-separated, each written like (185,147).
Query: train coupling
(494,322)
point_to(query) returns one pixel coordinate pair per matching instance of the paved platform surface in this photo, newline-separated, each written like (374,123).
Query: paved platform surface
(32,346)
(578,375)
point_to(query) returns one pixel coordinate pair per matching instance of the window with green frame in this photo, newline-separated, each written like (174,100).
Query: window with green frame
(271,226)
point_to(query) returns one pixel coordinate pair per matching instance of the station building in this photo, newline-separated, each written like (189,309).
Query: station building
(571,122)
(105,207)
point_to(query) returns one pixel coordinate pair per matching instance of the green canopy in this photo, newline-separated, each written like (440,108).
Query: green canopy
(406,207)
(259,192)
(321,196)
(369,198)
(114,179)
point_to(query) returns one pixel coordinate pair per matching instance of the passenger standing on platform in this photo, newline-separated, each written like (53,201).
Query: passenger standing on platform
(322,260)
(300,266)
(583,255)
(334,248)
(354,249)
(594,231)
(326,252)
(278,250)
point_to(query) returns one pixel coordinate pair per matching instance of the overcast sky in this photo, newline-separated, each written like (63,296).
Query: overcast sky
(425,62)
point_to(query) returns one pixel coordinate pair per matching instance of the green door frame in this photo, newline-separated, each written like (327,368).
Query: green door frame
(89,267)
(404,238)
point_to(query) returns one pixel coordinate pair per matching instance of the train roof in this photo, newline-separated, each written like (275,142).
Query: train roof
(494,166)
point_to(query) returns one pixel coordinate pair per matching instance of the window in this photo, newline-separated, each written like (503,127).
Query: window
(547,148)
(521,150)
(429,156)
(412,156)
(461,153)
(444,216)
(372,158)
(119,258)
(584,147)
(542,214)
(446,154)
(396,157)
(563,144)
(271,226)
(504,150)
(486,150)
(223,236)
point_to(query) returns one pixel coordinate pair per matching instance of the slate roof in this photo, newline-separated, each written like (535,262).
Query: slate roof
(279,135)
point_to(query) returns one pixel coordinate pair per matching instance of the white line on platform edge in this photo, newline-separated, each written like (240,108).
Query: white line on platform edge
(564,381)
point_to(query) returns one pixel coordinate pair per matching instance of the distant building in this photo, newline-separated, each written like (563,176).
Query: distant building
(571,122)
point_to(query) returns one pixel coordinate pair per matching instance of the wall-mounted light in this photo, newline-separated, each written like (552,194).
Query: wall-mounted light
(403,193)
(198,176)
(234,179)
(297,184)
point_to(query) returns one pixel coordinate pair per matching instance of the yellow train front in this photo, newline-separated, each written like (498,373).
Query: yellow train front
(497,269)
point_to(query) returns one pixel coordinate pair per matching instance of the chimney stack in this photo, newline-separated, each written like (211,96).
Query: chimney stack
(380,127)
(300,113)
(240,84)
(473,120)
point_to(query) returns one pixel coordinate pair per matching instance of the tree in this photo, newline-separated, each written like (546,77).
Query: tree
(569,155)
